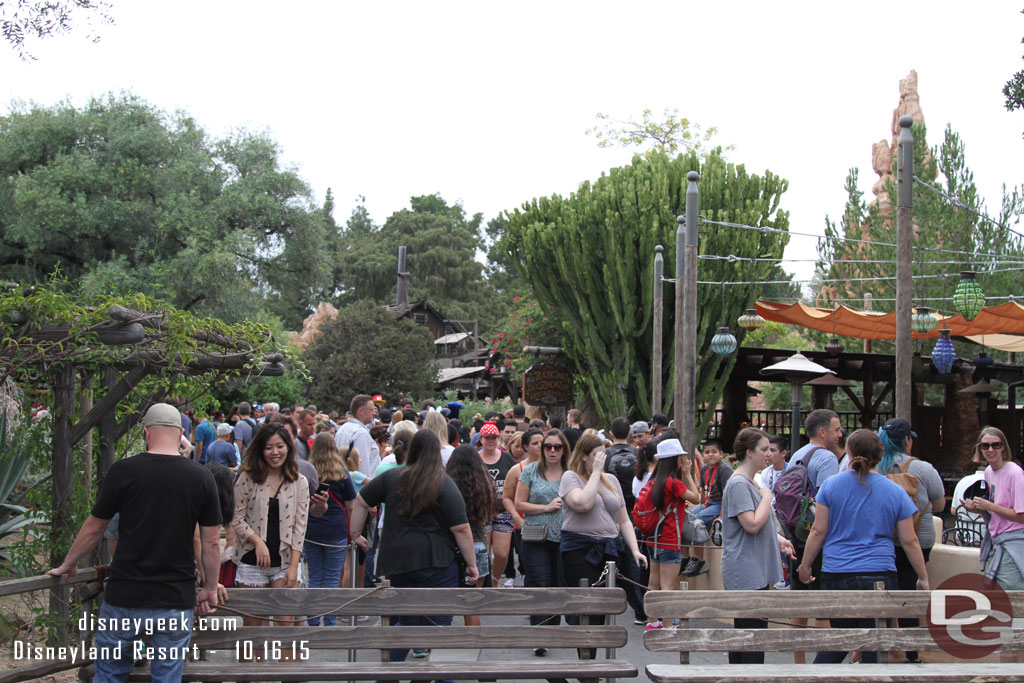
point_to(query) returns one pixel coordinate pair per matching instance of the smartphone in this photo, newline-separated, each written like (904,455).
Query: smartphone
(322,488)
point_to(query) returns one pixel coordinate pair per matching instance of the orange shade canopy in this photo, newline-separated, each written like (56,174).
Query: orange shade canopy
(1002,326)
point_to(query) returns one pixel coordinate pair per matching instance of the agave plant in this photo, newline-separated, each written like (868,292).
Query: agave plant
(14,462)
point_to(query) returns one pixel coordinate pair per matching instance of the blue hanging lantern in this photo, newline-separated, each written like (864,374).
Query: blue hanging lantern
(723,343)
(983,360)
(943,355)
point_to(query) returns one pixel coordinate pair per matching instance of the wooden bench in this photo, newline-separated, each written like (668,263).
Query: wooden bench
(781,606)
(221,663)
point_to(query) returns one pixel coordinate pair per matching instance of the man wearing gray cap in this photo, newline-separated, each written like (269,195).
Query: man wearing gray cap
(639,434)
(160,496)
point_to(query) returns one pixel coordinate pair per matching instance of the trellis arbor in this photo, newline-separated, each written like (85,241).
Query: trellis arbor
(102,363)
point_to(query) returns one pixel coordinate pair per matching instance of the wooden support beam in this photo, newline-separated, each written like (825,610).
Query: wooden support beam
(62,469)
(108,403)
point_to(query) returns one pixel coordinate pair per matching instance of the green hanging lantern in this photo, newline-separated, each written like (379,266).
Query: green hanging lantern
(723,343)
(923,321)
(751,320)
(968,299)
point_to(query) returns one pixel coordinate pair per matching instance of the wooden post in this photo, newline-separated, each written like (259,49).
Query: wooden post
(62,461)
(904,267)
(659,305)
(868,301)
(686,322)
(880,624)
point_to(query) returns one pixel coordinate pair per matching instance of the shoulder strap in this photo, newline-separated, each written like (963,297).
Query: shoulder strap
(906,465)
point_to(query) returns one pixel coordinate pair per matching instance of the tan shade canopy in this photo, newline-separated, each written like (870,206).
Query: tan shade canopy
(1002,326)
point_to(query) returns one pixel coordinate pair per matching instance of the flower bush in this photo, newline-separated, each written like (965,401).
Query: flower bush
(525,326)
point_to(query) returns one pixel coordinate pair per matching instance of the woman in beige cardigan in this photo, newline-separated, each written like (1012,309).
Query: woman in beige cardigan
(271,504)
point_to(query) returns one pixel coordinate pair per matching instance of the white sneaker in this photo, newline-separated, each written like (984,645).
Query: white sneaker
(509,583)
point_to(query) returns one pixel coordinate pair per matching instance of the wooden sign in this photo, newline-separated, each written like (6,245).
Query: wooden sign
(547,384)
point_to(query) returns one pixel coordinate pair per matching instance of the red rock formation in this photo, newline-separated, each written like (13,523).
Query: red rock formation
(311,325)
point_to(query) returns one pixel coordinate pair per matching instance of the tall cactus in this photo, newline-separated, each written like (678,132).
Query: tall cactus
(590,259)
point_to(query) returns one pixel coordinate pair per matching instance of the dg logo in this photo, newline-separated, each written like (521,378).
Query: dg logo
(969,616)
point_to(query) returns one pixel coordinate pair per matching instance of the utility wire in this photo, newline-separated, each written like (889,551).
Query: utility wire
(879,278)
(956,202)
(741,226)
(734,258)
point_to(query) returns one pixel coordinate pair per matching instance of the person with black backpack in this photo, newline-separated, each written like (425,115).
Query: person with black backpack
(245,427)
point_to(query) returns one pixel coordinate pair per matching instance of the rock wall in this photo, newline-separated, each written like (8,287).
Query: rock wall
(311,325)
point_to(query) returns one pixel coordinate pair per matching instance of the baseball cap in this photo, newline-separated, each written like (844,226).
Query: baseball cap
(899,429)
(660,419)
(223,429)
(489,429)
(639,427)
(162,415)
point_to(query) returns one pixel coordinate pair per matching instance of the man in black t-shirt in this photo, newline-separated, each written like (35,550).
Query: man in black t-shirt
(160,496)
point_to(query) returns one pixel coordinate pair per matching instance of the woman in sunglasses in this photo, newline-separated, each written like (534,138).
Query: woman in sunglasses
(537,500)
(1002,550)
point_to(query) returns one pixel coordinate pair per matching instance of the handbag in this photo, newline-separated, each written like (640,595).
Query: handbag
(535,533)
(693,531)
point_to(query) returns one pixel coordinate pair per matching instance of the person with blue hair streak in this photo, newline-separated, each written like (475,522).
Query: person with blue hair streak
(897,441)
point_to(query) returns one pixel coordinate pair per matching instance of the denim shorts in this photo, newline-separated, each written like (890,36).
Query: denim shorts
(259,577)
(667,556)
(1009,576)
(708,512)
(483,563)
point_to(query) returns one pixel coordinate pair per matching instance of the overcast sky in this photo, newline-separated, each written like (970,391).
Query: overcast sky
(488,103)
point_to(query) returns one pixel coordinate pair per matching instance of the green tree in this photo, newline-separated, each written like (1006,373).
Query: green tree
(950,236)
(1013,90)
(366,350)
(121,197)
(442,245)
(24,19)
(590,259)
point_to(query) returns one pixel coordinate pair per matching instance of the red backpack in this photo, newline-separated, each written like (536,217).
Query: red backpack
(648,519)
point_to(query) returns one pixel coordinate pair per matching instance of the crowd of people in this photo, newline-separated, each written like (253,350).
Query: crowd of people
(430,500)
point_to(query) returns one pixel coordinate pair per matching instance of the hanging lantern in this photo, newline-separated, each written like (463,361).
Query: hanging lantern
(751,320)
(983,360)
(943,355)
(834,347)
(923,321)
(723,343)
(968,298)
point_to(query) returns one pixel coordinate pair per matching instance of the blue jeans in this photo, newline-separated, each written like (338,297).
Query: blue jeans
(708,512)
(853,582)
(115,646)
(325,565)
(433,577)
(543,570)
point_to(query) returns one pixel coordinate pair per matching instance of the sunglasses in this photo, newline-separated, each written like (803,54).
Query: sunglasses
(553,446)
(994,445)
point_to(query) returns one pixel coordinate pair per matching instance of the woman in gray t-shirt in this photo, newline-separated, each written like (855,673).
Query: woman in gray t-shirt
(750,545)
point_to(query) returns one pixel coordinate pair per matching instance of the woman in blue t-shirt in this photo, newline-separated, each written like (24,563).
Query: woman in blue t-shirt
(854,517)
(327,535)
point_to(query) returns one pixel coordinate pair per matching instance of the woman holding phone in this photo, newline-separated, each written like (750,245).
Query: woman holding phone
(327,536)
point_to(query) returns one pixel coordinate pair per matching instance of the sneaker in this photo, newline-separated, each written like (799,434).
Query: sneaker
(509,583)
(654,626)
(716,532)
(419,654)
(782,586)
(639,622)
(692,567)
(539,651)
(702,568)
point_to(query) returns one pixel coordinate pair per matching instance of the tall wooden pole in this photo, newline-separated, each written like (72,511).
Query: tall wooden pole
(686,319)
(659,305)
(904,272)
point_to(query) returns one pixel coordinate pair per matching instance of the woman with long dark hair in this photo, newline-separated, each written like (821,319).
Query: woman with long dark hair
(466,470)
(271,506)
(424,523)
(672,486)
(855,513)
